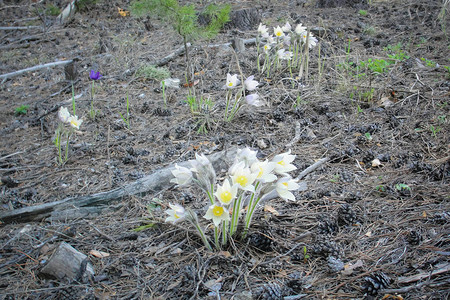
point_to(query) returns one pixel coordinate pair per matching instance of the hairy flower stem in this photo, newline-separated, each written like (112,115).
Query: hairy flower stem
(216,237)
(236,211)
(202,236)
(225,225)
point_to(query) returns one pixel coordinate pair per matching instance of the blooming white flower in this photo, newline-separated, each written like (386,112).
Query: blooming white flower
(246,155)
(299,29)
(287,40)
(226,193)
(263,30)
(287,27)
(266,48)
(264,170)
(75,122)
(242,175)
(284,185)
(253,99)
(63,114)
(283,163)
(217,213)
(283,54)
(270,40)
(278,32)
(312,41)
(204,170)
(183,176)
(232,81)
(176,213)
(250,84)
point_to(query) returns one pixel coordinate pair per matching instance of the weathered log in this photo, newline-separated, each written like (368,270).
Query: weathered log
(68,263)
(150,183)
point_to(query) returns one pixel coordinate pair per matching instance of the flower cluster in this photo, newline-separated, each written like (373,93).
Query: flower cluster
(294,39)
(249,181)
(234,103)
(65,117)
(75,123)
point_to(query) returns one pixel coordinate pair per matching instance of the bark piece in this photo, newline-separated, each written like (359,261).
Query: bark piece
(68,263)
(67,13)
(244,19)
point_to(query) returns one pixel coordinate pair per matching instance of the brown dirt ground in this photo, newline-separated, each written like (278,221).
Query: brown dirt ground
(351,210)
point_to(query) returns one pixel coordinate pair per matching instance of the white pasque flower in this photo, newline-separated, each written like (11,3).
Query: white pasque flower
(263,30)
(283,54)
(183,176)
(287,27)
(283,163)
(246,155)
(232,81)
(250,84)
(253,99)
(206,175)
(287,40)
(241,175)
(299,29)
(270,40)
(226,193)
(264,170)
(217,213)
(312,41)
(63,114)
(176,213)
(266,48)
(75,122)
(278,32)
(284,185)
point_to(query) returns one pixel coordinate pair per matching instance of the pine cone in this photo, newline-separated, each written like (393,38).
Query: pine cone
(326,248)
(376,282)
(327,225)
(346,215)
(270,291)
(260,241)
(414,237)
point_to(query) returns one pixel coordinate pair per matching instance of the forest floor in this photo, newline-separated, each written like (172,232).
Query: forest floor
(374,102)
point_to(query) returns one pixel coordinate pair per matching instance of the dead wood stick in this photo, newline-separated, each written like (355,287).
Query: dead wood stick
(312,167)
(49,65)
(445,268)
(19,27)
(150,183)
(67,12)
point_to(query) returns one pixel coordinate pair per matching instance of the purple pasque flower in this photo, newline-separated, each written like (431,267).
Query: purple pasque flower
(95,75)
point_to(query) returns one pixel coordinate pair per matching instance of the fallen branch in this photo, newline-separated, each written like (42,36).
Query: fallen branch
(445,268)
(19,27)
(150,183)
(49,65)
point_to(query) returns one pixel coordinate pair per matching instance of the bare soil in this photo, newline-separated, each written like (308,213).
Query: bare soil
(392,219)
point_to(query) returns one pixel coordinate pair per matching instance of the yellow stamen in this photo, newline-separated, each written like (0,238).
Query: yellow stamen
(285,184)
(242,180)
(225,197)
(176,216)
(218,211)
(282,163)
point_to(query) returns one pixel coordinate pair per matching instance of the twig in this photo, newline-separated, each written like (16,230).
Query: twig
(423,275)
(19,27)
(313,167)
(9,155)
(49,65)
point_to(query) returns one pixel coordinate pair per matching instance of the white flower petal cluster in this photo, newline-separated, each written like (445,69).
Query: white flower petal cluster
(176,213)
(65,117)
(183,176)
(283,163)
(264,170)
(217,214)
(253,99)
(232,81)
(226,193)
(286,28)
(251,84)
(204,174)
(278,32)
(240,174)
(284,186)
(263,31)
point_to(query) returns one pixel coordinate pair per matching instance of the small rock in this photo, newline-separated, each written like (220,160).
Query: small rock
(335,264)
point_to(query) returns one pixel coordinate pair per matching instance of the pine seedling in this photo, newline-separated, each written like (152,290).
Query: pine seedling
(184,19)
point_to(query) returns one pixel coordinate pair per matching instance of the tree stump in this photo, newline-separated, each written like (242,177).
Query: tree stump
(68,263)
